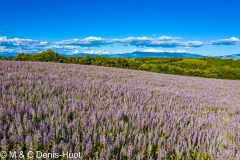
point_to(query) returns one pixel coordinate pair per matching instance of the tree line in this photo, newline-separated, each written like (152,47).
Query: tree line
(214,67)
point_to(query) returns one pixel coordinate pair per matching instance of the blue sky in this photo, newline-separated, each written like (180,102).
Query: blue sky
(206,27)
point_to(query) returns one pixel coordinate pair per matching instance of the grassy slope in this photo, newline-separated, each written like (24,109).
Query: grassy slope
(193,61)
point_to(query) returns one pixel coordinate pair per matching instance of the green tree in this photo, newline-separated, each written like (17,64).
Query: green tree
(144,67)
(22,57)
(87,60)
(46,56)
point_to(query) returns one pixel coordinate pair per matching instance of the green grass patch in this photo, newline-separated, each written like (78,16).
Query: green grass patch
(192,61)
(156,61)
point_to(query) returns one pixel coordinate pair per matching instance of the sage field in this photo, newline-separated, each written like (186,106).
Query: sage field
(113,113)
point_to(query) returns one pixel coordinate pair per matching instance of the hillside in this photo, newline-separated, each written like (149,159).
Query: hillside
(198,67)
(117,113)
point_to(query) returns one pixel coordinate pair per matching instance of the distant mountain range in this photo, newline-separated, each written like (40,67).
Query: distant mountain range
(232,56)
(157,54)
(144,54)
(138,54)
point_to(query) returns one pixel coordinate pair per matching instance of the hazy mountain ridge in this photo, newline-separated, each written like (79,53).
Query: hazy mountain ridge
(138,54)
(232,56)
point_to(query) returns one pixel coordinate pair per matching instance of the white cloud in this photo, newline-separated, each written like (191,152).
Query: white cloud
(193,44)
(163,41)
(3,49)
(92,38)
(99,52)
(152,50)
(18,45)
(234,39)
(66,49)
(76,51)
(181,51)
(89,41)
(162,51)
(71,50)
(99,45)
(230,41)
(14,40)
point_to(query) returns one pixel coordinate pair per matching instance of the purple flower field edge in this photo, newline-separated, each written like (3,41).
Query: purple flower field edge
(112,113)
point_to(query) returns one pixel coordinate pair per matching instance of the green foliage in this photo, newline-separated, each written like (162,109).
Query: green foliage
(71,115)
(125,118)
(46,56)
(199,67)
(145,130)
(144,67)
(193,154)
(193,61)
(22,57)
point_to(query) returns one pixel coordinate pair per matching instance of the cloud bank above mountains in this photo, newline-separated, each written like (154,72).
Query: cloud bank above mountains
(97,45)
(163,41)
